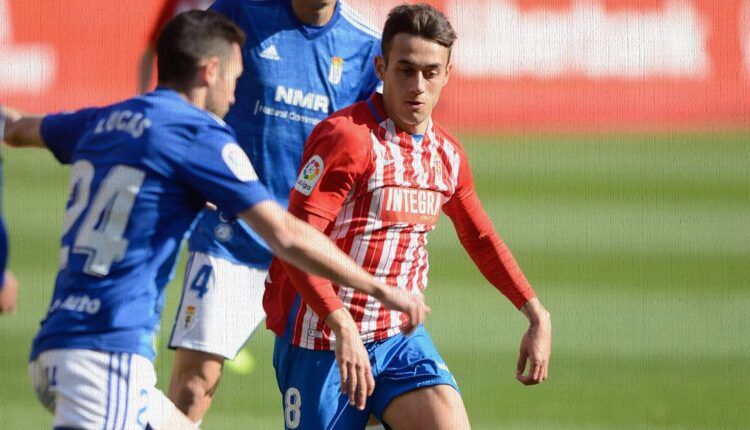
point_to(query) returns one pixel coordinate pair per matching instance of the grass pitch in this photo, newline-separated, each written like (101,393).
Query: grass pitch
(639,245)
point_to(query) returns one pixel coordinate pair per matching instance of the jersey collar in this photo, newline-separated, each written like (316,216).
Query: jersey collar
(301,26)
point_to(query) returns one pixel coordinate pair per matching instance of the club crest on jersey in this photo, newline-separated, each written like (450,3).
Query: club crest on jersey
(237,161)
(337,70)
(309,175)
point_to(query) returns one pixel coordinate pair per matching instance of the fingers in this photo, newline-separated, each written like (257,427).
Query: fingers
(537,372)
(352,384)
(521,365)
(344,373)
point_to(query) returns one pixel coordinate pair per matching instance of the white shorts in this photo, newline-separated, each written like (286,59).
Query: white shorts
(221,306)
(98,390)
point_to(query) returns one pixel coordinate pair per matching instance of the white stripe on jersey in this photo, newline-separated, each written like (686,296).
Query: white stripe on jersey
(358,21)
(392,141)
(435,158)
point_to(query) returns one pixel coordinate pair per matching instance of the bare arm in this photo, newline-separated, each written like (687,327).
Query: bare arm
(310,250)
(22,130)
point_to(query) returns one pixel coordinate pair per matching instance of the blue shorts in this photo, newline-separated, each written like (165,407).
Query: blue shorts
(311,386)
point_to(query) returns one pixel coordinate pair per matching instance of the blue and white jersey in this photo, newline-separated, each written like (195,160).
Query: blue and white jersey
(141,171)
(295,76)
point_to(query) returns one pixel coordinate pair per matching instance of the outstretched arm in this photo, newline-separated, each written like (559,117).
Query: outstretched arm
(22,130)
(309,250)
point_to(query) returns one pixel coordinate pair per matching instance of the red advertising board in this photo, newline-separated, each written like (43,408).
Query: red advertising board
(520,65)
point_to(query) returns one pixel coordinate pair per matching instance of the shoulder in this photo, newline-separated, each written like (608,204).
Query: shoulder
(347,132)
(359,24)
(448,139)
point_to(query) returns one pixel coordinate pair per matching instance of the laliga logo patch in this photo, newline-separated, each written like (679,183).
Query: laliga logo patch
(238,163)
(309,175)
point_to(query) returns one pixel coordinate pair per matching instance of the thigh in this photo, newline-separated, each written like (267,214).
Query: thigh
(94,390)
(405,364)
(310,388)
(221,306)
(438,407)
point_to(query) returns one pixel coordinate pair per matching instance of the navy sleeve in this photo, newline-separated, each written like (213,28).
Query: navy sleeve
(217,167)
(61,132)
(224,7)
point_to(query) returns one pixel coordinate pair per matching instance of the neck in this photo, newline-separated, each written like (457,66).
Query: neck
(314,12)
(420,128)
(194,96)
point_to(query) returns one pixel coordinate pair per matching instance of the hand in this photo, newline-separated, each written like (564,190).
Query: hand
(352,357)
(536,344)
(9,294)
(411,304)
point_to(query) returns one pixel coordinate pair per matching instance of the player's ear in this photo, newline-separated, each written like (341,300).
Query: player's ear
(380,67)
(448,69)
(209,70)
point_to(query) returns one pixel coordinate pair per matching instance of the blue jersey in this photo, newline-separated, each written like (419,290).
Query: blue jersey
(294,77)
(141,171)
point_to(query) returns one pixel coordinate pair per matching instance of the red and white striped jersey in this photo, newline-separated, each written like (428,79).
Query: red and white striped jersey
(376,191)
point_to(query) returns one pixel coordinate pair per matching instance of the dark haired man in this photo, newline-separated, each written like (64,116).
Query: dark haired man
(142,169)
(303,60)
(375,177)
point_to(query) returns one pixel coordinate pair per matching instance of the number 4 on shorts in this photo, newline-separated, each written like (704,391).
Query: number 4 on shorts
(200,283)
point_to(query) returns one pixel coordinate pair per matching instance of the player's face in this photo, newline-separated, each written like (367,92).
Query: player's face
(220,94)
(413,76)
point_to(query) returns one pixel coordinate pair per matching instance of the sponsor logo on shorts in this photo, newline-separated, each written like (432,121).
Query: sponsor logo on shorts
(309,175)
(237,161)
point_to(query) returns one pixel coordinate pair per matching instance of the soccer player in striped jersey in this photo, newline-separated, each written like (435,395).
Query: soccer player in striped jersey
(142,169)
(375,178)
(304,59)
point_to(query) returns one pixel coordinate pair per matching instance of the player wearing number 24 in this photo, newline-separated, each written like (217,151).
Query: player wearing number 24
(142,169)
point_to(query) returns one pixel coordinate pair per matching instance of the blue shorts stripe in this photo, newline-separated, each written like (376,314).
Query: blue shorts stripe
(117,392)
(109,385)
(127,391)
(188,267)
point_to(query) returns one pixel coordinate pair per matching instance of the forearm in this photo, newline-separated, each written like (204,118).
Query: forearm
(307,248)
(22,130)
(489,253)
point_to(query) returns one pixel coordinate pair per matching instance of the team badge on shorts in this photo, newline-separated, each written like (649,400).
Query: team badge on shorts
(190,311)
(336,71)
(309,175)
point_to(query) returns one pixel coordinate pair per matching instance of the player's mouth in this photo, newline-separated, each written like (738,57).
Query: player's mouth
(414,105)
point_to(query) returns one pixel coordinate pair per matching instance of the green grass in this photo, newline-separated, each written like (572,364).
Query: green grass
(638,244)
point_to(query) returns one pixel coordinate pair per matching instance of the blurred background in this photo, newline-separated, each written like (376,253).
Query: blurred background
(610,143)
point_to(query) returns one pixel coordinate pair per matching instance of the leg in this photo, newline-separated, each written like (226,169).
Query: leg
(222,304)
(437,408)
(195,378)
(310,388)
(414,387)
(94,390)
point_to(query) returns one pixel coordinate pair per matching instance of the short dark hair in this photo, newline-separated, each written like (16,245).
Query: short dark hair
(420,20)
(191,37)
